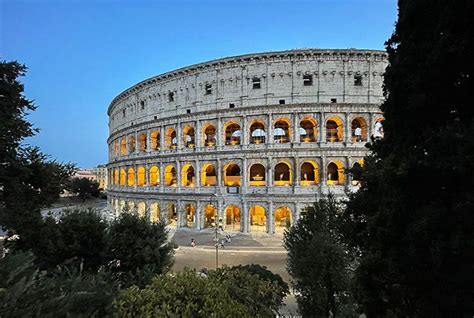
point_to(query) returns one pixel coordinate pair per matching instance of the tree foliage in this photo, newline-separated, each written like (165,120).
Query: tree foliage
(225,292)
(319,263)
(28,179)
(412,218)
(84,188)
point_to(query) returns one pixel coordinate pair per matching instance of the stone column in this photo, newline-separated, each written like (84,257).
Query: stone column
(270,218)
(244,140)
(137,143)
(147,175)
(322,128)
(244,174)
(148,141)
(244,219)
(197,174)
(162,138)
(347,176)
(197,135)
(269,129)
(179,137)
(296,128)
(219,172)
(178,175)
(269,178)
(161,176)
(199,207)
(347,130)
(219,142)
(297,178)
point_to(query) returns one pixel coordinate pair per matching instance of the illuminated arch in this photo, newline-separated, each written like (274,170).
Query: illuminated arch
(232,175)
(187,176)
(154,212)
(116,147)
(257,175)
(153,176)
(123,177)
(123,147)
(209,135)
(257,132)
(170,176)
(281,130)
(143,144)
(171,214)
(282,218)
(190,213)
(131,143)
(131,206)
(141,179)
(309,173)
(308,130)
(283,175)
(121,206)
(189,136)
(232,133)
(130,177)
(141,209)
(208,175)
(232,217)
(335,171)
(258,219)
(116,177)
(359,129)
(209,215)
(155,140)
(171,141)
(334,129)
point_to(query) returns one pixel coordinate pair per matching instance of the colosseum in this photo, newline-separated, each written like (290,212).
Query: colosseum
(249,140)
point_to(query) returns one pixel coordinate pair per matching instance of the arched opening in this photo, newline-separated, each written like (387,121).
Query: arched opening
(170,176)
(283,175)
(171,213)
(308,130)
(309,173)
(208,175)
(334,129)
(154,212)
(121,207)
(232,175)
(130,177)
(378,128)
(281,131)
(209,136)
(210,212)
(257,133)
(131,207)
(190,215)
(141,209)
(359,130)
(189,137)
(258,219)
(232,134)
(153,176)
(122,177)
(282,218)
(123,147)
(143,144)
(356,172)
(171,140)
(232,217)
(257,175)
(155,140)
(131,144)
(187,176)
(116,147)
(116,177)
(141,176)
(335,173)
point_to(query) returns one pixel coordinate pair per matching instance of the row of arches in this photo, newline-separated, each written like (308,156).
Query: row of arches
(282,133)
(281,174)
(188,216)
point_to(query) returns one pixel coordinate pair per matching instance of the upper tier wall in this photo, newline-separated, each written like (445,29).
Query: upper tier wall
(217,84)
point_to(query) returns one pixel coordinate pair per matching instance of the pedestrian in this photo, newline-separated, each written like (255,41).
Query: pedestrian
(193,242)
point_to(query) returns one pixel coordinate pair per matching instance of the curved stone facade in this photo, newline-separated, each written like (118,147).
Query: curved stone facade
(252,138)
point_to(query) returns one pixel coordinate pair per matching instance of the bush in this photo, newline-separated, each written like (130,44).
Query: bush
(225,292)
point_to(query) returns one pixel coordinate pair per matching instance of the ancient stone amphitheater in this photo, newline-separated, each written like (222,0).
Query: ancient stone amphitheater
(248,140)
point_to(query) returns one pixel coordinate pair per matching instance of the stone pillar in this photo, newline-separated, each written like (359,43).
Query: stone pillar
(296,169)
(135,167)
(219,172)
(161,176)
(147,175)
(296,129)
(269,130)
(347,129)
(162,138)
(197,174)
(199,207)
(323,173)
(244,140)
(322,127)
(178,175)
(270,218)
(244,174)
(347,176)
(197,135)
(244,219)
(137,143)
(269,169)
(148,141)
(179,137)
(219,139)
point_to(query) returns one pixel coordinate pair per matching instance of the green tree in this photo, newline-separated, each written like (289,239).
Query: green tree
(224,292)
(412,218)
(136,244)
(84,188)
(28,179)
(320,264)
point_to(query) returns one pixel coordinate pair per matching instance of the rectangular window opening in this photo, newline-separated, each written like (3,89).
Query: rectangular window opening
(123,113)
(188,111)
(358,80)
(208,89)
(171,96)
(231,105)
(256,83)
(282,101)
(156,117)
(307,80)
(333,100)
(142,104)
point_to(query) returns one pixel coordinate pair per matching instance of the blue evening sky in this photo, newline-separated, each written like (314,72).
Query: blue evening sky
(81,54)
